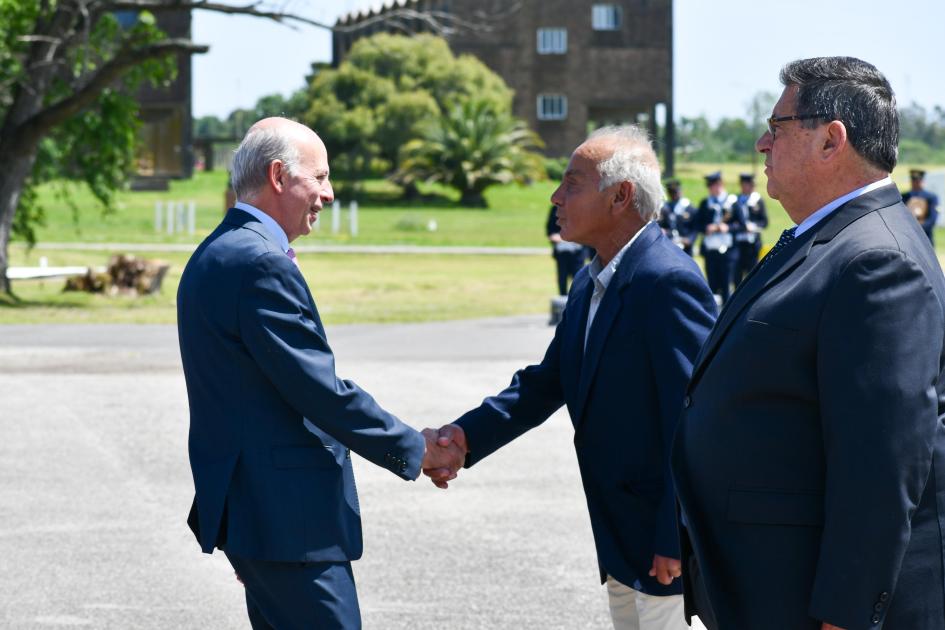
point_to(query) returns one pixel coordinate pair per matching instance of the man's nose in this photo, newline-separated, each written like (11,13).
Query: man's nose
(328,195)
(764,142)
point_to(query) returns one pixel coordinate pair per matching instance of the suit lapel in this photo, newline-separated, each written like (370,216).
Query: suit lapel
(572,339)
(790,258)
(607,313)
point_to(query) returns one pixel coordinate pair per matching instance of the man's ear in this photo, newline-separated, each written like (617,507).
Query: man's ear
(834,139)
(276,175)
(623,196)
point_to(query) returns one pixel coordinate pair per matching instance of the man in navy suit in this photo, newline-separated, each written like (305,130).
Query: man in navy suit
(271,424)
(620,360)
(810,455)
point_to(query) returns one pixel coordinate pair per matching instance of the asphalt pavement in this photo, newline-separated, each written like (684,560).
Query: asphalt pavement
(95,488)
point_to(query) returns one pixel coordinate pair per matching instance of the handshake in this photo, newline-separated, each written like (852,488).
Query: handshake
(445,454)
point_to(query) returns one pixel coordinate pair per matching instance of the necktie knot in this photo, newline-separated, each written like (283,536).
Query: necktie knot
(786,237)
(291,254)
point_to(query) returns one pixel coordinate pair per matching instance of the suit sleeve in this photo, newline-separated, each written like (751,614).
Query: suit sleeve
(878,352)
(533,395)
(681,314)
(278,326)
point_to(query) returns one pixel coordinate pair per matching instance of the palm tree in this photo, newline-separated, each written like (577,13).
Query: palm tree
(470,148)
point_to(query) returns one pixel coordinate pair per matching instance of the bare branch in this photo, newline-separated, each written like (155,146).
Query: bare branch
(39,38)
(254,9)
(128,57)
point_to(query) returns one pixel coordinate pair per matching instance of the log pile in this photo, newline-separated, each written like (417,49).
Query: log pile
(126,275)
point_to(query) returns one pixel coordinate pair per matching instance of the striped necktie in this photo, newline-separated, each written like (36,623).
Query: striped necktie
(291,254)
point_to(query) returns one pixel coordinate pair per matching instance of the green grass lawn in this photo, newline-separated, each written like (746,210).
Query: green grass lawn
(347,288)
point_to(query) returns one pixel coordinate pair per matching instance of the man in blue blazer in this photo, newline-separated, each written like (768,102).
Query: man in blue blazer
(810,456)
(271,424)
(620,360)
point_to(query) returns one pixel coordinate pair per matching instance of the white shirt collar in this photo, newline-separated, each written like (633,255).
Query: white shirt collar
(602,275)
(274,229)
(815,218)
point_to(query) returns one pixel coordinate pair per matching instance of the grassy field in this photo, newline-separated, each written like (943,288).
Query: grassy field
(349,288)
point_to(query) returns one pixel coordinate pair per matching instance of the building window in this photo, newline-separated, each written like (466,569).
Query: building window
(552,107)
(552,41)
(606,17)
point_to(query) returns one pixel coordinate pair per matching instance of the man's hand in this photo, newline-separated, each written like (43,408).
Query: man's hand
(449,436)
(443,458)
(665,570)
(829,626)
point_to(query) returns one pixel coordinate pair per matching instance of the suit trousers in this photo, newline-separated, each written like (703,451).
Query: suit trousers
(632,610)
(298,595)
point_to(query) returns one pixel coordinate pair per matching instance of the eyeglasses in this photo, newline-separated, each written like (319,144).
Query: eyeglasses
(774,120)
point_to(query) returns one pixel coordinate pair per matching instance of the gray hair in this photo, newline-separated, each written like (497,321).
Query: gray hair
(256,152)
(855,93)
(633,161)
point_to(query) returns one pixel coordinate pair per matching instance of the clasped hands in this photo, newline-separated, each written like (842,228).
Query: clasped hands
(445,454)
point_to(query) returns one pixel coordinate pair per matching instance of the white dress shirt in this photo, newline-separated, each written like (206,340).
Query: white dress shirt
(274,229)
(815,218)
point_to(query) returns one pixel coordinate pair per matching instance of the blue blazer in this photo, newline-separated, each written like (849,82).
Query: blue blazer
(624,395)
(810,456)
(269,485)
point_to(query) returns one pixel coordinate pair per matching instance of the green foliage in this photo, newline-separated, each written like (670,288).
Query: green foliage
(384,93)
(470,148)
(97,145)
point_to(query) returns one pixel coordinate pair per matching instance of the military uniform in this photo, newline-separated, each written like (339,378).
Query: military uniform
(718,245)
(751,217)
(677,218)
(922,203)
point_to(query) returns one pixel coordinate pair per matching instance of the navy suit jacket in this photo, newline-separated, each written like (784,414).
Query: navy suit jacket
(624,396)
(257,364)
(810,456)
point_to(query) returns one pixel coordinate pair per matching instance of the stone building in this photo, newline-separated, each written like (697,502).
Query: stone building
(165,136)
(574,64)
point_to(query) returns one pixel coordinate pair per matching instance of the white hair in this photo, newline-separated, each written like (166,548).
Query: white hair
(256,152)
(633,161)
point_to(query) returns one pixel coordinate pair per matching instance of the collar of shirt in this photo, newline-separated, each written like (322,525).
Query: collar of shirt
(602,275)
(815,218)
(268,222)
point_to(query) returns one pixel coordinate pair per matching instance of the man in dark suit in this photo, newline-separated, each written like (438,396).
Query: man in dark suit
(620,360)
(810,456)
(271,424)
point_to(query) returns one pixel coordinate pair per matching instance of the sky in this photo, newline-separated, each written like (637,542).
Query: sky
(726,51)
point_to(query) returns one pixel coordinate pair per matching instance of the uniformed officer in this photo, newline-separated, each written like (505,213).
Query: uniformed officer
(924,204)
(752,217)
(715,219)
(677,217)
(569,257)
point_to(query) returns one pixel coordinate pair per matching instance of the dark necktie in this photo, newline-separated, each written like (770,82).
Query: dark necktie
(786,237)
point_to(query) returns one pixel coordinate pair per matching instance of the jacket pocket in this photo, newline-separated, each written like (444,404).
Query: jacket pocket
(776,507)
(303,457)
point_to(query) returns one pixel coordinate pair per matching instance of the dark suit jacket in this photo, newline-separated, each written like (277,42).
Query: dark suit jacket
(257,363)
(623,396)
(810,456)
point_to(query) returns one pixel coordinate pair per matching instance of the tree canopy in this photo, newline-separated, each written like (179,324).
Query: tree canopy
(384,93)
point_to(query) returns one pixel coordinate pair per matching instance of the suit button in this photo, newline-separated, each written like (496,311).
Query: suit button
(884,597)
(875,619)
(687,402)
(878,607)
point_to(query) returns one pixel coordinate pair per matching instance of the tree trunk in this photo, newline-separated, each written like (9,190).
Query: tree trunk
(15,167)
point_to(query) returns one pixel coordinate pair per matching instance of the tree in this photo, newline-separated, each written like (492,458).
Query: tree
(386,90)
(472,147)
(66,70)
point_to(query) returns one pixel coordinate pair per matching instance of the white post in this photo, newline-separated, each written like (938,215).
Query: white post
(353,218)
(170,217)
(158,214)
(335,217)
(191,217)
(181,218)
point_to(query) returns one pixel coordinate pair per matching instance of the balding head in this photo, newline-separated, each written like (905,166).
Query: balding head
(623,154)
(267,140)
